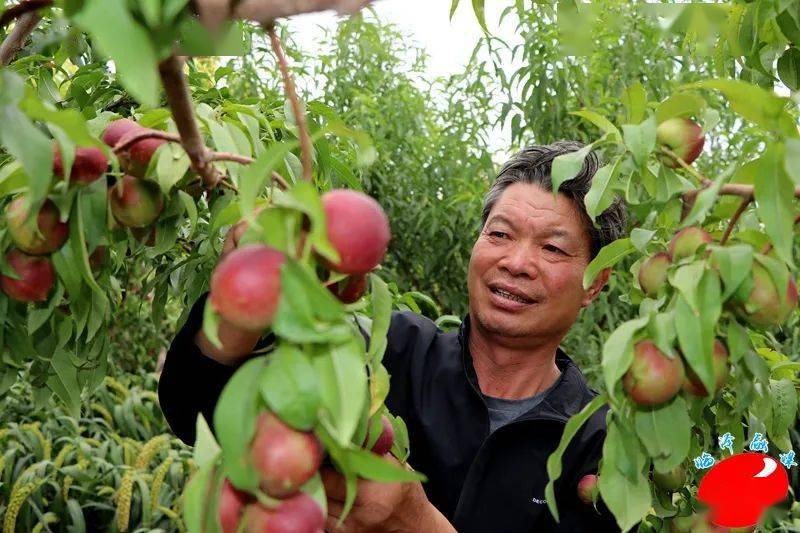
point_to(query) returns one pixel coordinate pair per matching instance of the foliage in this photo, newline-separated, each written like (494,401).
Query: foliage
(115,465)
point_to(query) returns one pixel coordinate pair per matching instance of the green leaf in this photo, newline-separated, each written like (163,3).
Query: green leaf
(734,262)
(235,422)
(305,198)
(206,449)
(257,175)
(64,382)
(71,121)
(77,242)
(343,386)
(789,68)
(774,194)
(705,200)
(737,340)
(601,194)
(24,141)
(211,325)
(567,166)
(665,432)
(696,327)
(480,14)
(381,318)
(784,406)
(197,513)
(453,7)
(607,257)
(640,237)
(791,162)
(118,35)
(308,312)
(761,106)
(171,165)
(370,466)
(682,104)
(635,100)
(598,120)
(554,466)
(618,352)
(640,139)
(289,387)
(627,497)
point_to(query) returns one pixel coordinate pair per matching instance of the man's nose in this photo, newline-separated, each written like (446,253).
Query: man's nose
(521,259)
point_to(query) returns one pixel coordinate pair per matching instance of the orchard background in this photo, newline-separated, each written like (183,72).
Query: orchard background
(83,443)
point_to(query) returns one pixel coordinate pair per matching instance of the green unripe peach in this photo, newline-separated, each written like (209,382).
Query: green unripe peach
(686,242)
(135,203)
(760,295)
(653,273)
(653,377)
(43,236)
(683,136)
(672,480)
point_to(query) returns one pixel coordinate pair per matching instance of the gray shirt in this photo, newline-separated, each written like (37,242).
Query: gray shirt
(502,411)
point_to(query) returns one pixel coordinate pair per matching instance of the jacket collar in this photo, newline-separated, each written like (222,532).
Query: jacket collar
(566,398)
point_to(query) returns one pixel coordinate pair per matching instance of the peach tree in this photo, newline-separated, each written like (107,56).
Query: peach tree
(98,178)
(714,270)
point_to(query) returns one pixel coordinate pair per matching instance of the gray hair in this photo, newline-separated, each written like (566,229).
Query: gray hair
(533,164)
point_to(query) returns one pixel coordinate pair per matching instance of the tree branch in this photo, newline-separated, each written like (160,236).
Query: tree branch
(244,160)
(291,93)
(135,136)
(22,8)
(735,218)
(266,11)
(16,39)
(180,102)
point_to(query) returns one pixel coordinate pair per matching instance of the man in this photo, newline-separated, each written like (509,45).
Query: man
(486,405)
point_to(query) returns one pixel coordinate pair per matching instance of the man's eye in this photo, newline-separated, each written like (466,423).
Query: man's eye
(496,233)
(553,248)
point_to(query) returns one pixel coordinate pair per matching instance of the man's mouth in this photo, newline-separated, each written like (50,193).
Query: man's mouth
(512,297)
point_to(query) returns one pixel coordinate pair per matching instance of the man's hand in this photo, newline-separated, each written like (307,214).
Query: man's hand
(381,507)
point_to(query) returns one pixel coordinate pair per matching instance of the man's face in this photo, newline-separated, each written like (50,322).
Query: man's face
(535,246)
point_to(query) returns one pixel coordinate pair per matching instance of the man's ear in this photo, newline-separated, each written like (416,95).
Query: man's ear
(596,286)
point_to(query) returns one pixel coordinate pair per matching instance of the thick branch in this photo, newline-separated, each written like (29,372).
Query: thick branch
(16,39)
(265,11)
(180,102)
(291,93)
(22,8)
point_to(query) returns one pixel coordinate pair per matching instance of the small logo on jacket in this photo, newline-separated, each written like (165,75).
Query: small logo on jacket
(537,500)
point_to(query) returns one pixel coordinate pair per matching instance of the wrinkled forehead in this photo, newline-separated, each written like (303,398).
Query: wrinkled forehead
(530,207)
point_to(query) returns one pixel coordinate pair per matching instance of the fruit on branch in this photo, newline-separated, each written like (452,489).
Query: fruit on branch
(298,514)
(653,377)
(385,441)
(692,383)
(117,129)
(686,242)
(653,273)
(135,203)
(246,286)
(588,489)
(349,289)
(357,228)
(44,235)
(757,300)
(283,457)
(673,480)
(36,274)
(682,136)
(231,504)
(89,164)
(140,154)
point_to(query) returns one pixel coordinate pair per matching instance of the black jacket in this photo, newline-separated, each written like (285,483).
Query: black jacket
(480,482)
